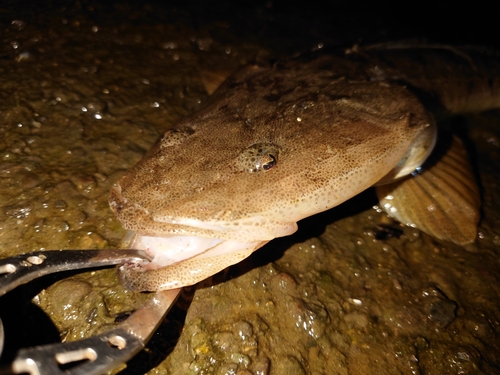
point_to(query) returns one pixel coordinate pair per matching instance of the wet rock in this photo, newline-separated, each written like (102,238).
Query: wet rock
(446,359)
(60,204)
(18,212)
(87,238)
(288,365)
(440,310)
(84,182)
(28,180)
(224,341)
(356,321)
(75,307)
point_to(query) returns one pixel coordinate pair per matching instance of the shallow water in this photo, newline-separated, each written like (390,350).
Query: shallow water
(86,89)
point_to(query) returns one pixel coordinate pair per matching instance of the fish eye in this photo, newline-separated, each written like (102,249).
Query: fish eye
(258,157)
(269,164)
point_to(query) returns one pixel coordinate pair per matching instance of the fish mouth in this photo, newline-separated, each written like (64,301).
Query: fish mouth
(178,261)
(205,239)
(185,250)
(167,250)
(165,222)
(172,241)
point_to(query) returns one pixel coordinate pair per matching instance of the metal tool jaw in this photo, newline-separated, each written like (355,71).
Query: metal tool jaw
(94,355)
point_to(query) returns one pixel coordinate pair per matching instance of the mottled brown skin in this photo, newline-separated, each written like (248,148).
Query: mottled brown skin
(339,122)
(343,121)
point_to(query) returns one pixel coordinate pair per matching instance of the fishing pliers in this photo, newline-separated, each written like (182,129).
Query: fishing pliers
(94,355)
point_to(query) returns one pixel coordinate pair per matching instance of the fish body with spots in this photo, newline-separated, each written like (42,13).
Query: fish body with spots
(277,143)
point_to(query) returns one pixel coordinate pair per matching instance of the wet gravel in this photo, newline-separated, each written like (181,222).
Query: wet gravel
(85,90)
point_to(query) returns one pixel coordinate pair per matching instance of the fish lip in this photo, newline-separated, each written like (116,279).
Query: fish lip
(254,228)
(194,223)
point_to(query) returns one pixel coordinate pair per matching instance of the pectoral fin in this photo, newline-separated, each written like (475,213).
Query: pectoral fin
(212,79)
(443,201)
(178,275)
